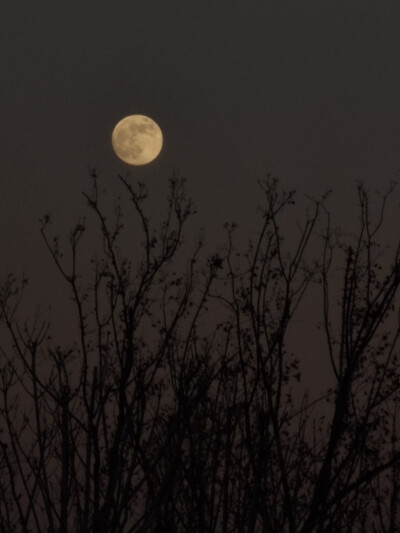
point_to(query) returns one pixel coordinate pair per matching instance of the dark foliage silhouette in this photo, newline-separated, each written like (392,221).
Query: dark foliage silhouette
(179,404)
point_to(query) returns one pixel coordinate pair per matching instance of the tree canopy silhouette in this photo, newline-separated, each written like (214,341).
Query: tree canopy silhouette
(179,404)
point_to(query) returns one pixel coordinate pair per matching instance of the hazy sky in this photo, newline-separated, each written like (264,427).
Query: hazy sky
(306,90)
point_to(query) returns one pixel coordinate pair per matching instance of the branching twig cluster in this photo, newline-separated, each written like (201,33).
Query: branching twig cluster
(158,418)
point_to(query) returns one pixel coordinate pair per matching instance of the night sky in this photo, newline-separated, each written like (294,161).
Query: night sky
(306,90)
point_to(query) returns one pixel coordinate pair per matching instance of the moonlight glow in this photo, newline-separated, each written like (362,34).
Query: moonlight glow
(137,140)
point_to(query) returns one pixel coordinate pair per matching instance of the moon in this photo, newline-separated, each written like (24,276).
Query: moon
(137,140)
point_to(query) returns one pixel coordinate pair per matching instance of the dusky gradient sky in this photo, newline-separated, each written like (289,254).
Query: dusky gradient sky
(306,90)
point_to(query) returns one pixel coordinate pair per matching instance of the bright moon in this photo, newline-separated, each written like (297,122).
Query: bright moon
(137,139)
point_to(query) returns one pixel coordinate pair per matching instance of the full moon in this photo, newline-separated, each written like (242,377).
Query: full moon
(137,140)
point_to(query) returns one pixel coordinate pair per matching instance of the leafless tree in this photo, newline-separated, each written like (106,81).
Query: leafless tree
(179,406)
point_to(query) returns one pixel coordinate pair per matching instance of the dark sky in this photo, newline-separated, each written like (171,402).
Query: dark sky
(306,90)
